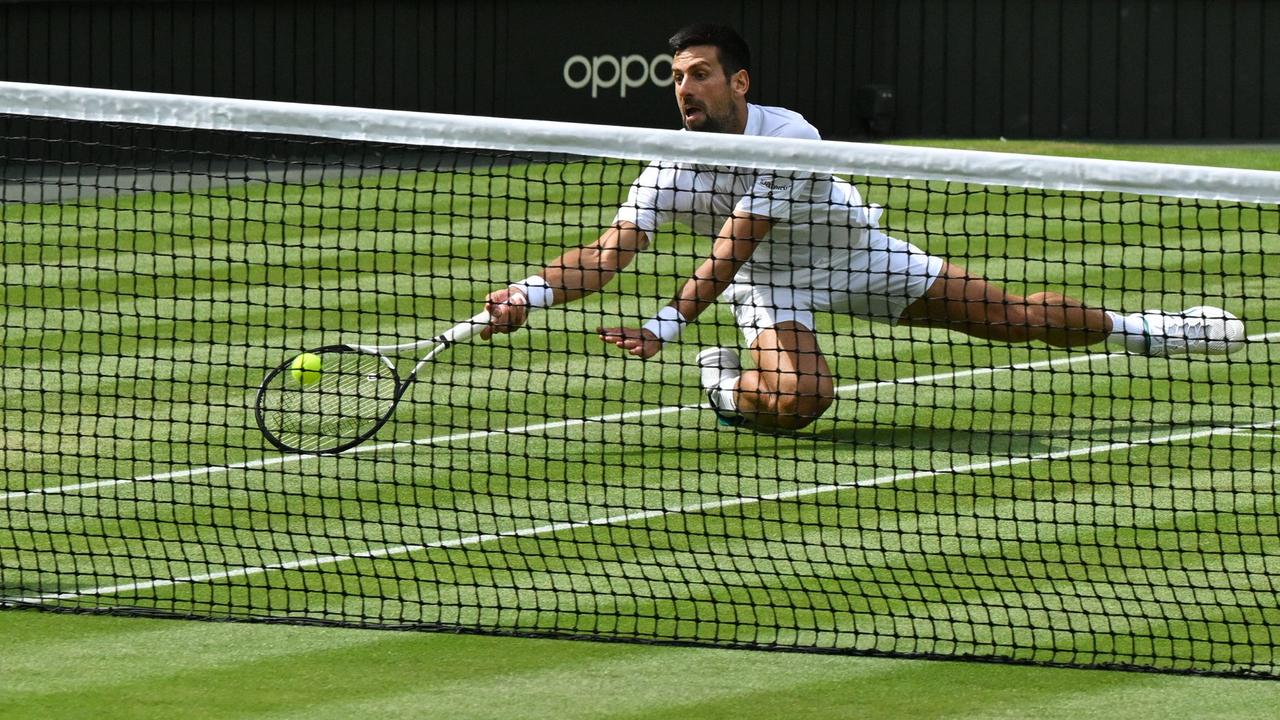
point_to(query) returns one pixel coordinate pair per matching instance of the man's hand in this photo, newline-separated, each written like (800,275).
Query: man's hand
(641,343)
(509,308)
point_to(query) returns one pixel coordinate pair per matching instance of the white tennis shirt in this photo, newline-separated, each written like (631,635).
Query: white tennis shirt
(818,221)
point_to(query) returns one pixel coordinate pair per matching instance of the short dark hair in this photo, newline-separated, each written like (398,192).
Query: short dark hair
(730,47)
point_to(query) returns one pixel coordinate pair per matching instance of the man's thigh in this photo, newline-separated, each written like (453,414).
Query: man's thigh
(788,359)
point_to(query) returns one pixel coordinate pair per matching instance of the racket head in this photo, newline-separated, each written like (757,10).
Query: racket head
(349,399)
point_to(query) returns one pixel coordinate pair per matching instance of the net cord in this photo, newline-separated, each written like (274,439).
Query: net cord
(506,134)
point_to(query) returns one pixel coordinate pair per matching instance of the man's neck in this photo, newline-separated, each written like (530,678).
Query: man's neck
(744,111)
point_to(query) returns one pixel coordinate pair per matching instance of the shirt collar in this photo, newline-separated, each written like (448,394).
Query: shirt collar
(754,120)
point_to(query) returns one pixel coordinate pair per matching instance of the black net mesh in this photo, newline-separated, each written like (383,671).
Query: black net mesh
(957,495)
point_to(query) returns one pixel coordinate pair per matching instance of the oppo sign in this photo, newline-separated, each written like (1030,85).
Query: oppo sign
(605,72)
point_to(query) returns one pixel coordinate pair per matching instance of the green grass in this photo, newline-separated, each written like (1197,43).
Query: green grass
(67,666)
(1072,509)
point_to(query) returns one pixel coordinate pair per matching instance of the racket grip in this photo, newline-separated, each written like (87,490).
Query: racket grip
(465,329)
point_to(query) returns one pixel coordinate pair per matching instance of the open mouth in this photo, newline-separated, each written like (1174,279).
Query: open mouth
(693,112)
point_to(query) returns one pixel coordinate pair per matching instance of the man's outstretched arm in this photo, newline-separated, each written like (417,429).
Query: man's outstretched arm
(732,249)
(575,274)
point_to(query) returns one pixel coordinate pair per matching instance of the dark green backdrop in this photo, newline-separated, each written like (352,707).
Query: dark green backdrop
(1103,69)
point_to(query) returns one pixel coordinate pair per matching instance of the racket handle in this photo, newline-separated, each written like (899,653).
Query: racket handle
(465,329)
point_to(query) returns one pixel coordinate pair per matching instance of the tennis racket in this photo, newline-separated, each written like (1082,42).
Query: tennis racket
(350,395)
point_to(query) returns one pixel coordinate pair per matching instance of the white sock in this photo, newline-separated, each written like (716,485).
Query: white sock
(727,394)
(1128,332)
(721,370)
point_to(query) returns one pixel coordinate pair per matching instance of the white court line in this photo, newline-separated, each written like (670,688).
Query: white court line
(626,518)
(302,457)
(522,430)
(530,429)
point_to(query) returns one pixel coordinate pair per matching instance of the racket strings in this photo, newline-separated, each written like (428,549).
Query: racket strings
(350,398)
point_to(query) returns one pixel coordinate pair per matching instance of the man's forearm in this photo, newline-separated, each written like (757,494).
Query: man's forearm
(586,270)
(578,273)
(699,292)
(733,248)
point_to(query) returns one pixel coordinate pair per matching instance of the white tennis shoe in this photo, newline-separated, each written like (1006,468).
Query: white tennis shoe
(1200,330)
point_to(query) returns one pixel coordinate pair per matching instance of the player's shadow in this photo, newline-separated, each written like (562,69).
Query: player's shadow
(934,439)
(1006,443)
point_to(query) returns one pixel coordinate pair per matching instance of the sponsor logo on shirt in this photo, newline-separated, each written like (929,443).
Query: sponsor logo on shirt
(775,184)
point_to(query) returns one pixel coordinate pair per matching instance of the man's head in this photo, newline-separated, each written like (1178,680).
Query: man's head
(709,66)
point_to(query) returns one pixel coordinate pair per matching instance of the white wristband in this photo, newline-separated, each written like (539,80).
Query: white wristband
(667,324)
(536,291)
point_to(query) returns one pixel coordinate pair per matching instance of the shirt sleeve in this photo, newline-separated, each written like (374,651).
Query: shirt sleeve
(649,203)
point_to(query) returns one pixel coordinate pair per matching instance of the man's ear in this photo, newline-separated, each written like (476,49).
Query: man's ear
(741,82)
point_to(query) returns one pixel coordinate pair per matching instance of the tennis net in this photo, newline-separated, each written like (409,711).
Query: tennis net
(962,498)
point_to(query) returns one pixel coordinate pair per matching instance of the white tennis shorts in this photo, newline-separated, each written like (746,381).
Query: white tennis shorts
(874,282)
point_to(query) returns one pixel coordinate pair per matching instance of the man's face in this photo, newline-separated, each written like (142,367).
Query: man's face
(708,101)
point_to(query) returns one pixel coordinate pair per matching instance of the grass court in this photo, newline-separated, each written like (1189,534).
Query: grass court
(960,499)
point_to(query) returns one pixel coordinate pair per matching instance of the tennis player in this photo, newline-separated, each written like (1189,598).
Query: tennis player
(786,245)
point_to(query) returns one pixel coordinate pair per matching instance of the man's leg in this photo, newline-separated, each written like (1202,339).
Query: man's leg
(789,389)
(970,304)
(960,301)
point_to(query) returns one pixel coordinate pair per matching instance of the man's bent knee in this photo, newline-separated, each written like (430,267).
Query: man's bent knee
(800,412)
(792,385)
(795,410)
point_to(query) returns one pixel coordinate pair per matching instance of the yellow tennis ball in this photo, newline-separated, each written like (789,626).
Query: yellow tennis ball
(306,369)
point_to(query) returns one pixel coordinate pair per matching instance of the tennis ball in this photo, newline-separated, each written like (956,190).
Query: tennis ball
(305,369)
